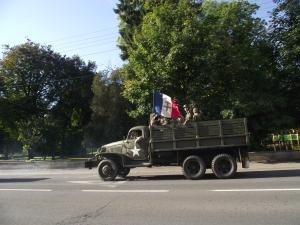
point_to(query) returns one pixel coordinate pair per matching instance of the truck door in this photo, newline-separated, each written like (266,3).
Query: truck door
(136,145)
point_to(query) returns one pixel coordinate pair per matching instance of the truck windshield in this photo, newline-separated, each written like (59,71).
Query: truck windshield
(134,134)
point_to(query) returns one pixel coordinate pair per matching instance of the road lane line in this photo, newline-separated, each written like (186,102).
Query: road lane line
(36,190)
(96,182)
(127,191)
(256,190)
(112,184)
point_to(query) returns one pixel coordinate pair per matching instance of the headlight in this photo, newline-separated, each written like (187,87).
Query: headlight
(103,149)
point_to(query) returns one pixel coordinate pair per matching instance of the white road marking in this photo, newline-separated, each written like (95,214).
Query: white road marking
(111,184)
(128,191)
(34,190)
(257,190)
(80,181)
(95,182)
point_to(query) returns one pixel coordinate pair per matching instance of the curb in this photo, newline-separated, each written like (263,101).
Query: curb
(274,156)
(56,164)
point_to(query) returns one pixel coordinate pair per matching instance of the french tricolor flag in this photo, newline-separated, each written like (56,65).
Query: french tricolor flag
(165,106)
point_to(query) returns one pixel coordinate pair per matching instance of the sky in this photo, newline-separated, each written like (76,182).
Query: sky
(88,28)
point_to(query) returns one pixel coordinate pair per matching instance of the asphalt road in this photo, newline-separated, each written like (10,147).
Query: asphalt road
(265,194)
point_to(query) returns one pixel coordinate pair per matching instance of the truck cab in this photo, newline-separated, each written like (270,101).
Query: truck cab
(136,145)
(134,148)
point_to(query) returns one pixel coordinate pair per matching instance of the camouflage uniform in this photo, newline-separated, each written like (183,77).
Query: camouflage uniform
(197,116)
(188,116)
(154,119)
(164,121)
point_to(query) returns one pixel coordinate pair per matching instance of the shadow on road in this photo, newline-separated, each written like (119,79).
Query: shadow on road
(268,174)
(157,177)
(210,176)
(21,180)
(273,162)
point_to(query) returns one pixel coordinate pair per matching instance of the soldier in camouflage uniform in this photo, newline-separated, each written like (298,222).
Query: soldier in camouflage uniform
(188,116)
(156,119)
(197,115)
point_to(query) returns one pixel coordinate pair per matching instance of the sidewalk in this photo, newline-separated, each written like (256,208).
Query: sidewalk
(55,164)
(275,156)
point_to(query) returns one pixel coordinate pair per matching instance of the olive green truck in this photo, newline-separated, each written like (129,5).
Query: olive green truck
(217,145)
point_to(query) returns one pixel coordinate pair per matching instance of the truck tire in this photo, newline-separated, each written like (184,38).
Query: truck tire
(123,172)
(108,170)
(193,167)
(224,166)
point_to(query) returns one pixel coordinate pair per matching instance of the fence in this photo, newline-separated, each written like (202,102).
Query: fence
(288,140)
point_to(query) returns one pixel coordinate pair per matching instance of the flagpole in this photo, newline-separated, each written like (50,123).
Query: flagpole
(153,101)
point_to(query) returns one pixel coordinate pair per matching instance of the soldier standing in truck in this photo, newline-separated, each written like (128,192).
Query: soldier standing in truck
(188,116)
(154,119)
(197,115)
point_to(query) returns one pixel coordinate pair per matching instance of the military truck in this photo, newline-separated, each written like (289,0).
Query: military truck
(196,146)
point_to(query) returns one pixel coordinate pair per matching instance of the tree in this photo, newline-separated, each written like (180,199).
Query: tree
(130,13)
(28,92)
(214,54)
(285,36)
(72,113)
(110,120)
(44,99)
(8,146)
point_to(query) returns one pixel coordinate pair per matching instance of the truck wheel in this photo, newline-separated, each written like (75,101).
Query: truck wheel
(107,170)
(224,166)
(193,167)
(124,172)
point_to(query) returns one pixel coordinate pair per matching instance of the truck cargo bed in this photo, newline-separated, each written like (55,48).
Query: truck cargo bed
(200,135)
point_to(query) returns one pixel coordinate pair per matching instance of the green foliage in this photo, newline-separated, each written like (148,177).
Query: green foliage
(26,72)
(220,56)
(214,54)
(8,145)
(72,112)
(44,98)
(285,36)
(110,121)
(130,14)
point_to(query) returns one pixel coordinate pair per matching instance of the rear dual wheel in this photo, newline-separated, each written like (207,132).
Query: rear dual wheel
(224,166)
